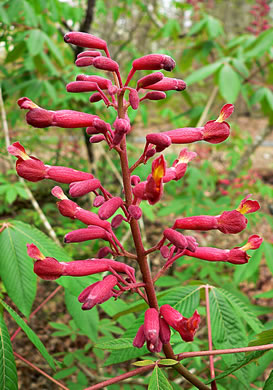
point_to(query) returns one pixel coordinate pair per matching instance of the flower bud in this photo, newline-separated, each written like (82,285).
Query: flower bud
(84,61)
(103,252)
(192,243)
(102,82)
(89,218)
(150,153)
(176,238)
(135,180)
(89,53)
(81,188)
(149,80)
(90,233)
(98,201)
(151,329)
(81,86)
(122,126)
(110,207)
(139,339)
(165,251)
(96,97)
(154,62)
(98,292)
(105,63)
(97,138)
(139,190)
(135,211)
(156,95)
(159,139)
(134,99)
(165,331)
(85,40)
(168,84)
(116,221)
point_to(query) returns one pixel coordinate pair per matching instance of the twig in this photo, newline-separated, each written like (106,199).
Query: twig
(121,377)
(208,105)
(40,371)
(211,363)
(185,355)
(30,194)
(37,309)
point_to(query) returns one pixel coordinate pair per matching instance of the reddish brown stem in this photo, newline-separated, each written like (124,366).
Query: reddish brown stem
(37,309)
(121,377)
(40,371)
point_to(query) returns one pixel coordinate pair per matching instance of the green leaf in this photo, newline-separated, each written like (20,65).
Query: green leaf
(240,66)
(11,194)
(86,320)
(263,338)
(242,310)
(3,15)
(184,299)
(229,83)
(121,343)
(243,362)
(8,373)
(203,73)
(168,362)
(16,268)
(158,381)
(35,42)
(54,49)
(269,97)
(269,382)
(30,334)
(214,27)
(29,15)
(267,294)
(262,44)
(245,271)
(197,27)
(143,363)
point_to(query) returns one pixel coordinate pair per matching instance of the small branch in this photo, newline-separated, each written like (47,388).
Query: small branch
(208,105)
(211,363)
(121,377)
(40,371)
(37,309)
(185,355)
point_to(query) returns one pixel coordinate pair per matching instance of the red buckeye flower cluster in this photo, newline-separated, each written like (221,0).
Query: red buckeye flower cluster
(126,208)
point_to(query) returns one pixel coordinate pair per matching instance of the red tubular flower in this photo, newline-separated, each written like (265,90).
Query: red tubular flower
(110,207)
(199,222)
(81,188)
(39,117)
(85,40)
(154,62)
(81,86)
(234,256)
(168,84)
(155,332)
(154,186)
(149,80)
(90,233)
(186,327)
(218,130)
(185,135)
(98,292)
(66,175)
(28,167)
(179,167)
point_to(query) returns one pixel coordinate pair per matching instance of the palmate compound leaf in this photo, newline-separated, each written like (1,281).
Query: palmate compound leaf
(30,334)
(227,331)
(158,381)
(8,373)
(16,267)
